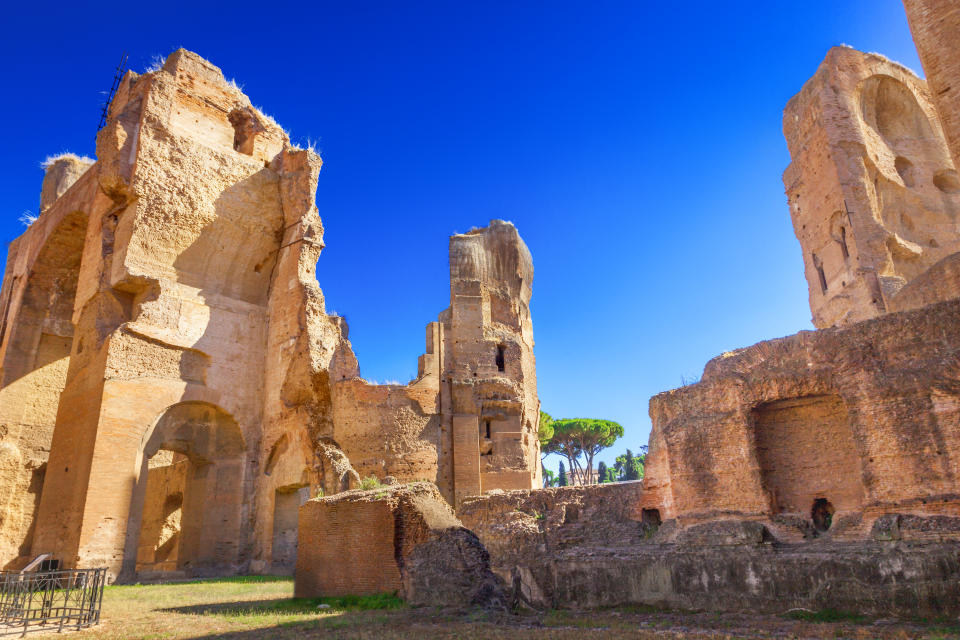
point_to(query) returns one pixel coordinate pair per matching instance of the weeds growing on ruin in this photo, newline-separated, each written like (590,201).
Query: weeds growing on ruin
(370,482)
(66,155)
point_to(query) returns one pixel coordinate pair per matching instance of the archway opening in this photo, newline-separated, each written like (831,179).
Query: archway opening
(36,336)
(822,515)
(650,518)
(286,508)
(188,509)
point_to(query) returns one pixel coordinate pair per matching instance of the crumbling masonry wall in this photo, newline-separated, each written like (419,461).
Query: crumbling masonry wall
(872,189)
(401,539)
(171,315)
(815,471)
(468,421)
(166,301)
(865,417)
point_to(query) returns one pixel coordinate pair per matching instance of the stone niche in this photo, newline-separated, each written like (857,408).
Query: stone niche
(807,455)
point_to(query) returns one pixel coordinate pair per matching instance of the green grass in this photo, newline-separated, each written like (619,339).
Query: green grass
(827,615)
(370,482)
(365,603)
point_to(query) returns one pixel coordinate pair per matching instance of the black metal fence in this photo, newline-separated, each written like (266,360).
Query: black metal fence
(50,600)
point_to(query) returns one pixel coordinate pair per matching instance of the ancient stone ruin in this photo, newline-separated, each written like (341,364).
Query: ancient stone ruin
(820,470)
(171,386)
(173,395)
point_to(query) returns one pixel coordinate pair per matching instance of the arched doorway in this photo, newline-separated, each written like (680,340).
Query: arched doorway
(187,510)
(158,549)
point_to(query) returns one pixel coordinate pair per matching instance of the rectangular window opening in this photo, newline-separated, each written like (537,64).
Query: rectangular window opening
(819,266)
(501,365)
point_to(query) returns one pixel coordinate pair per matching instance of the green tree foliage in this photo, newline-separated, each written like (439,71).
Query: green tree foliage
(602,472)
(562,479)
(574,438)
(626,466)
(549,478)
(629,466)
(546,429)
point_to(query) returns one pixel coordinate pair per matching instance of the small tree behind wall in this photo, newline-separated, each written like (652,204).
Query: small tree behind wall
(576,438)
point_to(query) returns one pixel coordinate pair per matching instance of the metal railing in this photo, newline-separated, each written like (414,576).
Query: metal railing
(50,600)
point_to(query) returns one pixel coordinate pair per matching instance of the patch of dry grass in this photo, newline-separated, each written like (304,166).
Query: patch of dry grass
(65,155)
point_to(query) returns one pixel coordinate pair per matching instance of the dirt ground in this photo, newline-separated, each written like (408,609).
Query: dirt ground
(262,607)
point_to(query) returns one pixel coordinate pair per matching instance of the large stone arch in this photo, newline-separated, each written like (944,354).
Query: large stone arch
(208,442)
(36,337)
(40,329)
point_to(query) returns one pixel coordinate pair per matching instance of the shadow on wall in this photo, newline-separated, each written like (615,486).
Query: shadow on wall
(34,371)
(235,253)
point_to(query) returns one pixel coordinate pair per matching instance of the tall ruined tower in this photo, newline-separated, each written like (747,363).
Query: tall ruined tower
(468,422)
(489,383)
(873,192)
(192,243)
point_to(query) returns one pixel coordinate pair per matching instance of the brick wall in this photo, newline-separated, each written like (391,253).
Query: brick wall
(936,32)
(346,548)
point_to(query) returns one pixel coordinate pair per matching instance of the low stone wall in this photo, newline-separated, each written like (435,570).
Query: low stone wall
(584,547)
(868,578)
(508,522)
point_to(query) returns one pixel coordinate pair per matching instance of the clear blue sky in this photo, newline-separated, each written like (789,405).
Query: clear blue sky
(637,147)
